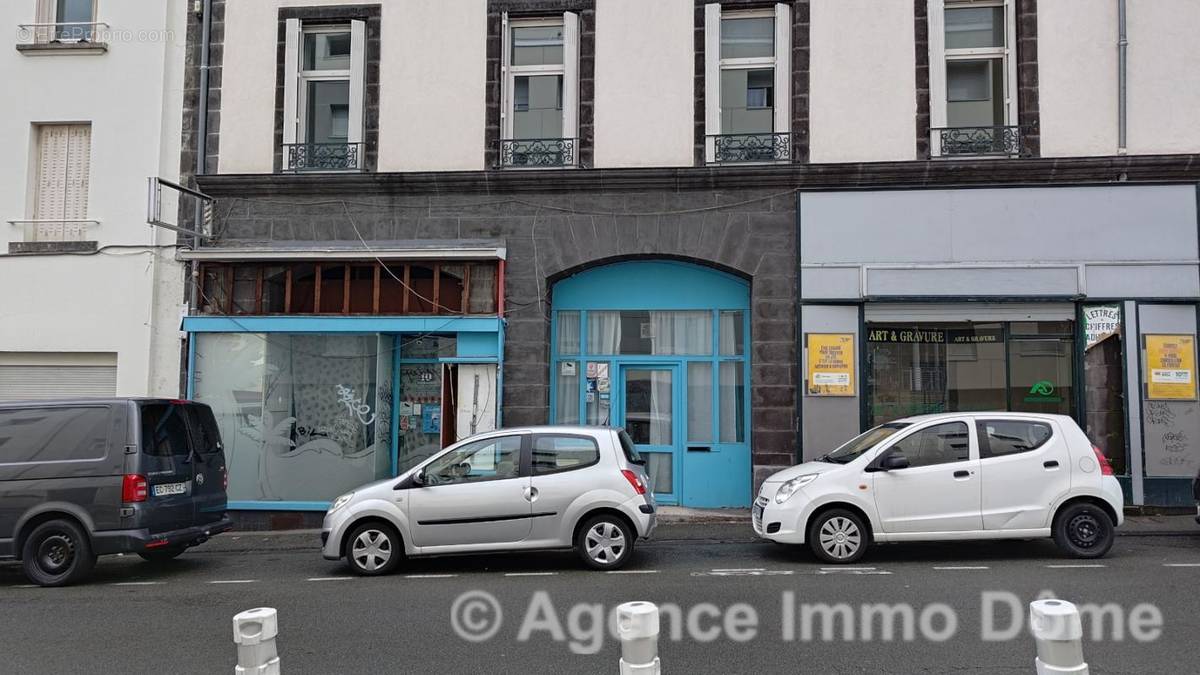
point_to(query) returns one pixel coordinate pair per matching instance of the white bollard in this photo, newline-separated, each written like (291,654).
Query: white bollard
(637,628)
(1059,634)
(254,632)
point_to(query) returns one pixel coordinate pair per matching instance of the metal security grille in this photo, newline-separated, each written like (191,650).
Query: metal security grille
(45,382)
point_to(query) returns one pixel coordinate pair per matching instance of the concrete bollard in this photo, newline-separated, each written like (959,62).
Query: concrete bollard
(637,628)
(1059,634)
(254,632)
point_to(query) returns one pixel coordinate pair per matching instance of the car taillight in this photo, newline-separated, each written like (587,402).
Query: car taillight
(1105,467)
(634,480)
(134,488)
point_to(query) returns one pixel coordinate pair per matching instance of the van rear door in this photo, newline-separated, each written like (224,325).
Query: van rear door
(166,460)
(208,466)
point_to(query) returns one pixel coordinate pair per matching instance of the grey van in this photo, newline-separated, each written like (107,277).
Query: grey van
(89,477)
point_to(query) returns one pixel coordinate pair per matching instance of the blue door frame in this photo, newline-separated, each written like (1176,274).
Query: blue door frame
(675,447)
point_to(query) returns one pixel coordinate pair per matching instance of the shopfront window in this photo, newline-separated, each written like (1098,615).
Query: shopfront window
(964,366)
(303,417)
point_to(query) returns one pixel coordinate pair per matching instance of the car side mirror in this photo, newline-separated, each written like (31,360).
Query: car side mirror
(894,461)
(418,478)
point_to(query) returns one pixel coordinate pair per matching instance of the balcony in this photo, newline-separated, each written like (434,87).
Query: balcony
(46,235)
(538,153)
(751,148)
(996,141)
(35,39)
(304,157)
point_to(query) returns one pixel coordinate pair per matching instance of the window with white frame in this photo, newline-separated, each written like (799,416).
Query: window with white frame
(540,95)
(65,21)
(61,180)
(973,102)
(747,84)
(324,67)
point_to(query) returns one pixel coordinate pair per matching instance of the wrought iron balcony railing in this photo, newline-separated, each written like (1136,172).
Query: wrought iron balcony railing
(997,141)
(742,148)
(538,152)
(322,156)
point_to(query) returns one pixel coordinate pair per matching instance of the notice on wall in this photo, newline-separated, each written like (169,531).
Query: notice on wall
(830,364)
(1172,429)
(1170,370)
(1099,322)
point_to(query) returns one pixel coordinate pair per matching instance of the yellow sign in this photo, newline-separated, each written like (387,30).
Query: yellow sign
(830,364)
(1171,367)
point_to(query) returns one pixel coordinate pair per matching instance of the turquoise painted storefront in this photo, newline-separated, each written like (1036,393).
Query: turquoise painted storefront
(660,348)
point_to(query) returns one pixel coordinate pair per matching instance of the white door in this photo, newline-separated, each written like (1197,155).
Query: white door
(1026,467)
(940,489)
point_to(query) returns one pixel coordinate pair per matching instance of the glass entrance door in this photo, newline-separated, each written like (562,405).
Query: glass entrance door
(649,401)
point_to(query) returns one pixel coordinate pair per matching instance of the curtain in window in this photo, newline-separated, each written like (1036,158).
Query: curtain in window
(732,393)
(568,332)
(660,407)
(604,332)
(566,398)
(686,333)
(699,401)
(730,338)
(658,469)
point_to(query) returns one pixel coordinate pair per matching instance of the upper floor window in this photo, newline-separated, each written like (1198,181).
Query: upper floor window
(973,77)
(64,26)
(324,67)
(747,84)
(62,162)
(540,107)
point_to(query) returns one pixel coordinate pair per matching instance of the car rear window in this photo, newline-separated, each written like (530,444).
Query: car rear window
(629,449)
(164,432)
(999,438)
(53,434)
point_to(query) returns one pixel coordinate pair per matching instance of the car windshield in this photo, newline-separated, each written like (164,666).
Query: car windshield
(855,447)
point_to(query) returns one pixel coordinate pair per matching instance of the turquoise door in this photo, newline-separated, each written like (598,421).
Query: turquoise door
(648,406)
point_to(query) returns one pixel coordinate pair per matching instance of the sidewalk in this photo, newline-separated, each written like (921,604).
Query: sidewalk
(675,523)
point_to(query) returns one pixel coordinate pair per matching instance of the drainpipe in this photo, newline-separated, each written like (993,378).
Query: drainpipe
(1122,72)
(193,272)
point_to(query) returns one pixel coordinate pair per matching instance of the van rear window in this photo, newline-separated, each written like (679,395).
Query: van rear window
(206,437)
(164,433)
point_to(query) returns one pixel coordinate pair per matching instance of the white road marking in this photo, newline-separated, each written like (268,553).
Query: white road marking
(27,586)
(961,567)
(753,572)
(851,570)
(234,581)
(740,569)
(429,576)
(531,574)
(329,578)
(1164,565)
(632,572)
(139,583)
(1073,567)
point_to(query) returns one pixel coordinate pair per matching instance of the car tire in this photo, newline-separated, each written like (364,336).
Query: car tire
(1084,530)
(838,536)
(57,553)
(373,549)
(162,555)
(604,542)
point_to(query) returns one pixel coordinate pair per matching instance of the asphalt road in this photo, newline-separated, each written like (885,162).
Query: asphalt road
(734,596)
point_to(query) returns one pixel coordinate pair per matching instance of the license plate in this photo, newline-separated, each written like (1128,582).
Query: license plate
(165,489)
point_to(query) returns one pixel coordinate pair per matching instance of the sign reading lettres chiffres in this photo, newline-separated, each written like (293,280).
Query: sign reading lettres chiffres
(830,364)
(1171,367)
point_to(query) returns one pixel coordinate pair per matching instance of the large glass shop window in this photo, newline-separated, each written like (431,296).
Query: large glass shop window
(915,369)
(303,417)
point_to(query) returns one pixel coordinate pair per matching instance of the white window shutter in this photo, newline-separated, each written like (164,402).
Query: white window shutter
(1010,61)
(79,167)
(45,14)
(571,76)
(506,120)
(358,83)
(783,68)
(936,16)
(291,75)
(51,182)
(712,78)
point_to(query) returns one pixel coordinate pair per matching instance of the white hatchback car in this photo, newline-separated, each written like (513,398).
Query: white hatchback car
(948,477)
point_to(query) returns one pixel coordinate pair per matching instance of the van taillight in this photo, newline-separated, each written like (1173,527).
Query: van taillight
(1105,467)
(635,481)
(134,488)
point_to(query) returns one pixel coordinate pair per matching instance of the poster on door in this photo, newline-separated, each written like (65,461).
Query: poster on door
(1170,367)
(830,364)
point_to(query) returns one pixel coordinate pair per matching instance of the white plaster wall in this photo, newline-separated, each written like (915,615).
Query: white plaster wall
(862,100)
(1164,59)
(432,84)
(644,100)
(132,95)
(1077,76)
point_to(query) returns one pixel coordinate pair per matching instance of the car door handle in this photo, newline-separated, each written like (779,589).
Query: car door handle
(962,474)
(1052,464)
(531,494)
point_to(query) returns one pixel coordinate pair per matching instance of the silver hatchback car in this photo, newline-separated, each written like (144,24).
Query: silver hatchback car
(514,489)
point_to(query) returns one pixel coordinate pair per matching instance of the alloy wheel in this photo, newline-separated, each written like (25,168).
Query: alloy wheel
(840,537)
(371,550)
(605,543)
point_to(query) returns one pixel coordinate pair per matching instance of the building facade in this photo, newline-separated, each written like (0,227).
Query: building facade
(93,294)
(435,218)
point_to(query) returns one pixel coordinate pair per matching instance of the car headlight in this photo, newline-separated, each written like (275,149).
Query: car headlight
(790,488)
(340,502)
